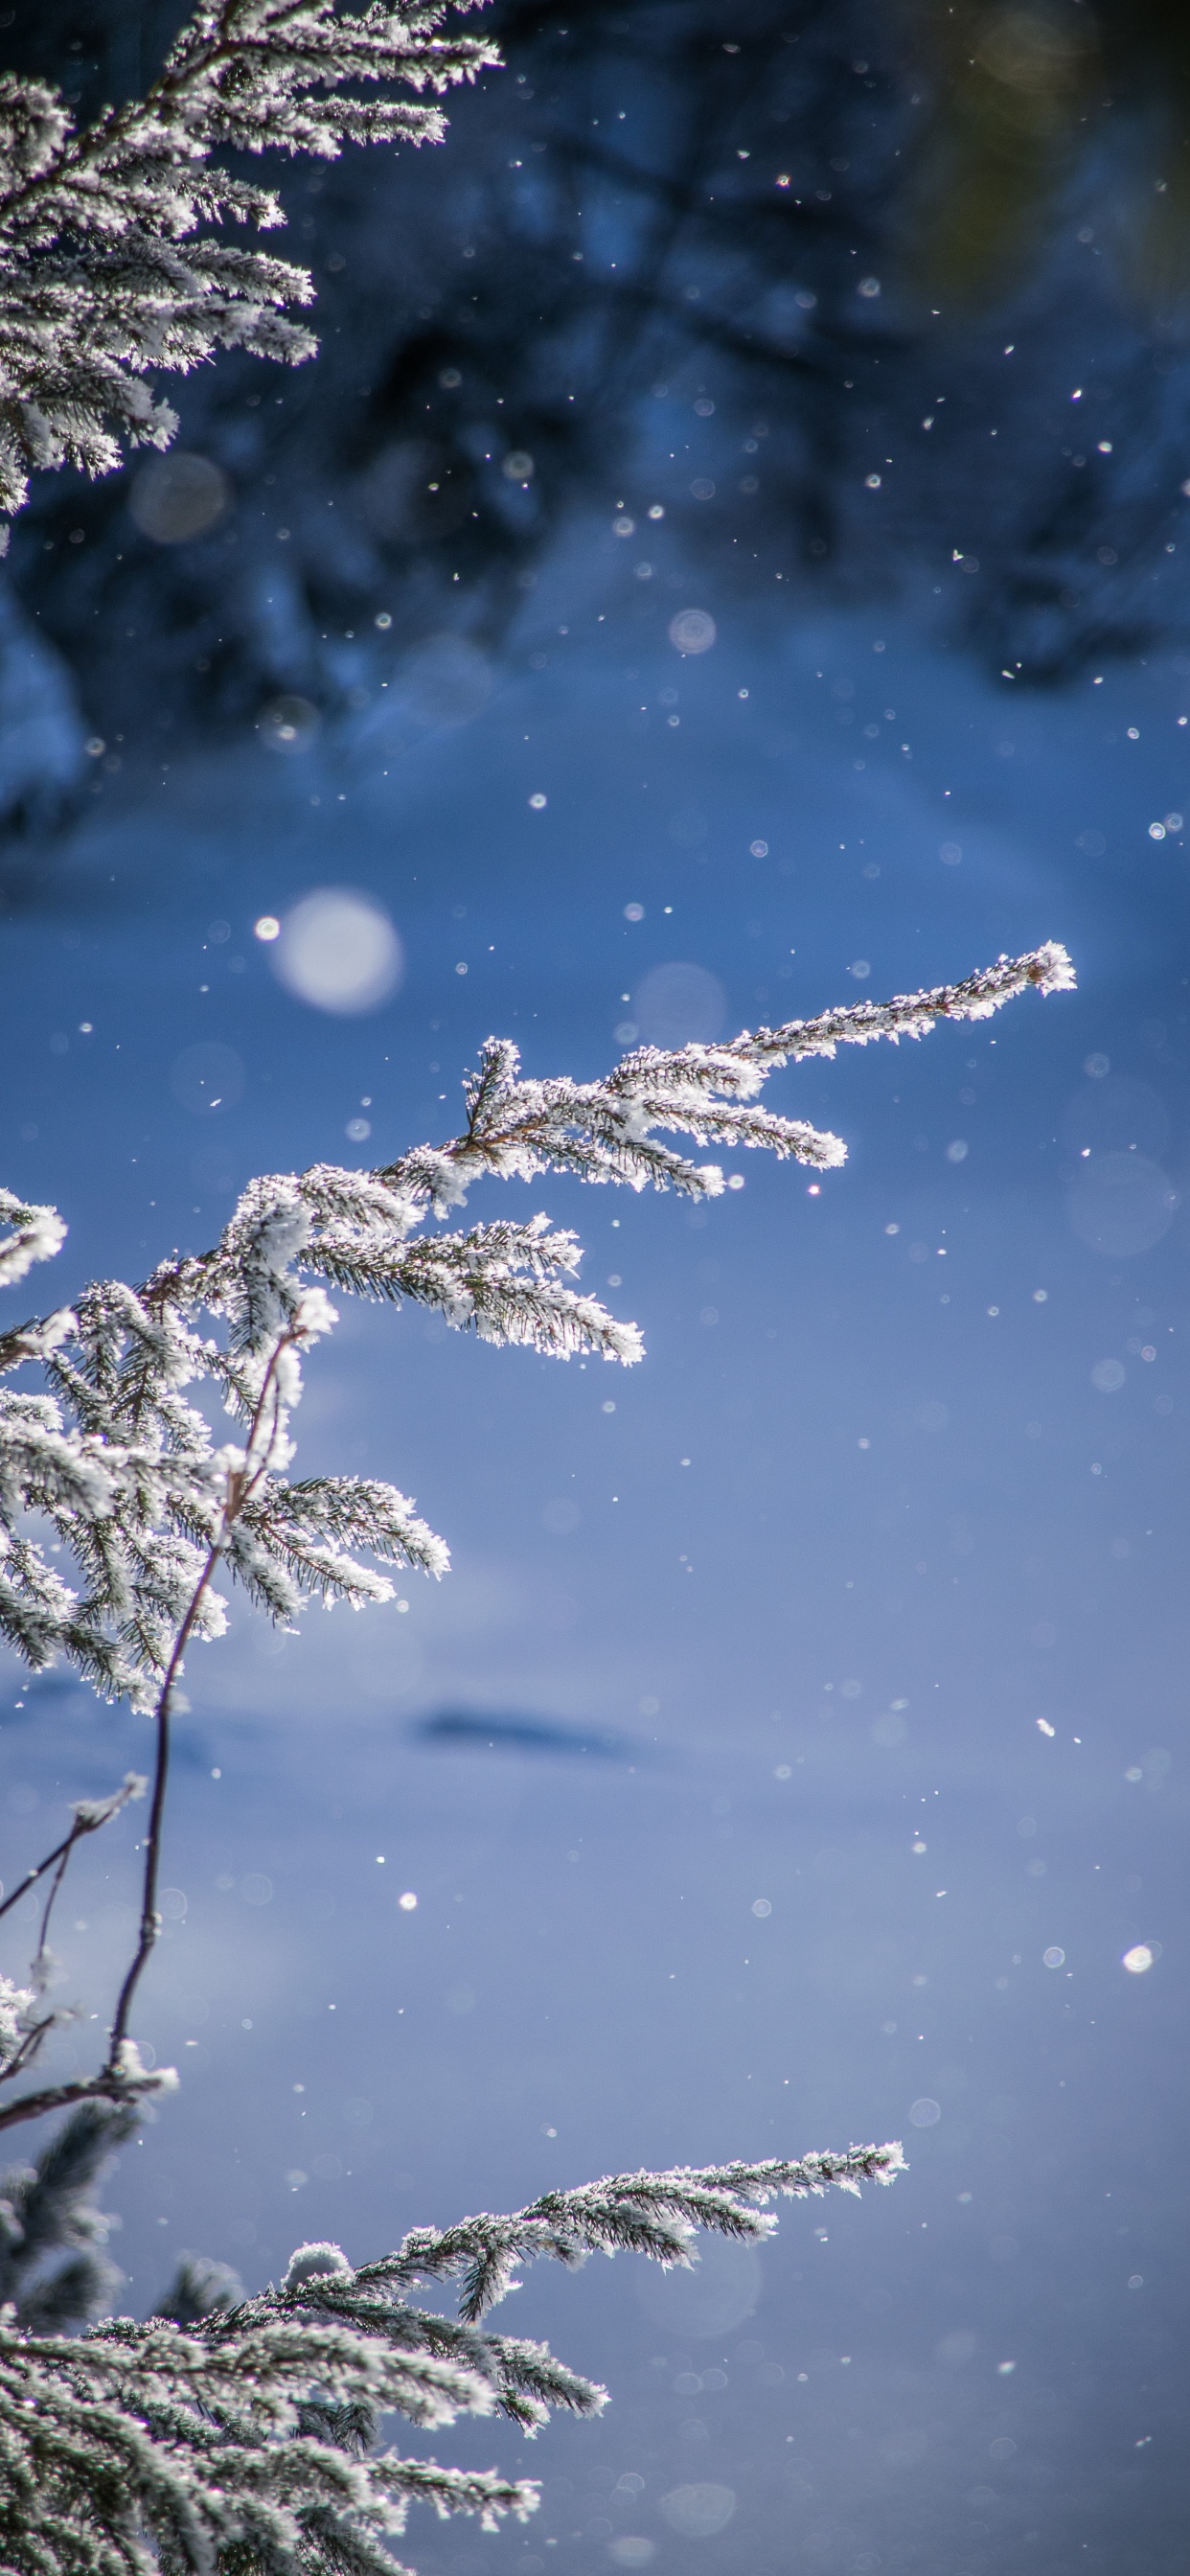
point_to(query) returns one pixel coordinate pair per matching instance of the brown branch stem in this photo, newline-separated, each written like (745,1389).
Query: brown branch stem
(56,1883)
(105,2086)
(60,1855)
(61,1852)
(240,1488)
(149,1918)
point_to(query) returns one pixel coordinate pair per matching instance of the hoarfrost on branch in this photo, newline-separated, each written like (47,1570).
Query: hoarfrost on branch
(106,271)
(231,2432)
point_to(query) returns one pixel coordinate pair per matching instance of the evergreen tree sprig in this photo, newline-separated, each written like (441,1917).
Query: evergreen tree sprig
(246,2436)
(125,1470)
(238,2437)
(101,276)
(123,1465)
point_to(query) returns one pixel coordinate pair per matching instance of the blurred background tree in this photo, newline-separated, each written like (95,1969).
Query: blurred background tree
(803,299)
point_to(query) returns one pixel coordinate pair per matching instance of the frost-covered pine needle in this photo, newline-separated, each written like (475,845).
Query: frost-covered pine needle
(117,1458)
(230,2433)
(108,265)
(236,2434)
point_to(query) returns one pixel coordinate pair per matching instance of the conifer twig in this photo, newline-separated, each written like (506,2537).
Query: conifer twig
(100,279)
(126,1470)
(241,2433)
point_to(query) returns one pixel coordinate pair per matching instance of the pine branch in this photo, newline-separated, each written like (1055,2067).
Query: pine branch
(100,280)
(649,2213)
(228,2432)
(245,2434)
(200,2289)
(49,2209)
(122,1465)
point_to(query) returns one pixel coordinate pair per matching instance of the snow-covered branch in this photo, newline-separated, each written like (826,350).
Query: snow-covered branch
(119,1460)
(230,2432)
(101,278)
(37,1233)
(253,2416)
(608,1130)
(656,2214)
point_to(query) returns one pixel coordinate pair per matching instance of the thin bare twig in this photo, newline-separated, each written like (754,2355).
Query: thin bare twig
(61,1852)
(28,2048)
(90,1814)
(241,1487)
(150,1921)
(59,1875)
